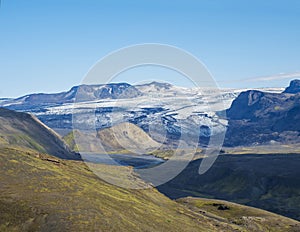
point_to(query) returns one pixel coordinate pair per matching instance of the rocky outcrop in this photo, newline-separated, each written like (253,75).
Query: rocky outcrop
(258,118)
(294,87)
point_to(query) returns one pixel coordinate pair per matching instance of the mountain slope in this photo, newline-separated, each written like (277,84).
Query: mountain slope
(84,93)
(269,182)
(294,87)
(33,102)
(257,117)
(248,218)
(24,130)
(126,136)
(41,194)
(121,137)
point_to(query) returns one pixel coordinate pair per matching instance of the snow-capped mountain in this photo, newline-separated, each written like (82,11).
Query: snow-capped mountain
(4,99)
(161,109)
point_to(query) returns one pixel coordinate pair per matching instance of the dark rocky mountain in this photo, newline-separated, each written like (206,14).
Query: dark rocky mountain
(257,117)
(294,87)
(21,130)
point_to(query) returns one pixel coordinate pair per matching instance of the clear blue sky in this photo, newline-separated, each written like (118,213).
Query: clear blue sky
(48,46)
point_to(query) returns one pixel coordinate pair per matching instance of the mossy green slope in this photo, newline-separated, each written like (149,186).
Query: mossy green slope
(269,182)
(42,193)
(245,217)
(39,192)
(24,130)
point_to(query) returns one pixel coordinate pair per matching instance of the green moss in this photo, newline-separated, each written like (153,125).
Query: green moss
(24,140)
(164,154)
(41,195)
(73,197)
(17,215)
(245,218)
(70,141)
(277,108)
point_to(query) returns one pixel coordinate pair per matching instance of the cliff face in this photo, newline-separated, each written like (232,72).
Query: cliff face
(294,87)
(258,118)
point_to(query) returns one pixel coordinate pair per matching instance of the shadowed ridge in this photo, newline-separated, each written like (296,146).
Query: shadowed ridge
(294,87)
(25,130)
(257,117)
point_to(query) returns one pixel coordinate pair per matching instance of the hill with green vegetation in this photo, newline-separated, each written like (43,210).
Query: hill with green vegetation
(247,218)
(25,130)
(266,181)
(42,193)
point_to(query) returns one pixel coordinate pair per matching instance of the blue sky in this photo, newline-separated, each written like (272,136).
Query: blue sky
(48,46)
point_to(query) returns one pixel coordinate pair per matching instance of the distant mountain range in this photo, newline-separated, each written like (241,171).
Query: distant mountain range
(160,109)
(81,93)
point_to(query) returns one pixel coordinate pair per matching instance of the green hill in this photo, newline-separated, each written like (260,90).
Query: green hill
(247,218)
(266,181)
(41,192)
(25,130)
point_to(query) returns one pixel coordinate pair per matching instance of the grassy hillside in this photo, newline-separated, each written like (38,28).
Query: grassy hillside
(24,130)
(42,193)
(269,182)
(59,195)
(247,218)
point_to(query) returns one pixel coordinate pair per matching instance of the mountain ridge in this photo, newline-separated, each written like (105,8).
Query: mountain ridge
(166,109)
(81,93)
(25,130)
(257,117)
(293,88)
